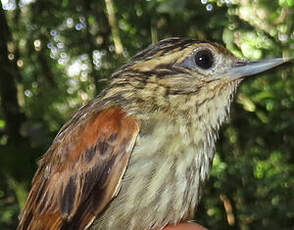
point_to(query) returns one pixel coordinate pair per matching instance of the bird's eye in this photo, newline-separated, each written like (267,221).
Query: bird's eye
(204,59)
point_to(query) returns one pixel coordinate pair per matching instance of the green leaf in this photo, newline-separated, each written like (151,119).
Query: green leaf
(290,3)
(2,123)
(64,3)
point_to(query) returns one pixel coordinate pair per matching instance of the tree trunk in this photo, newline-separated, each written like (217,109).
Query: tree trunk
(8,90)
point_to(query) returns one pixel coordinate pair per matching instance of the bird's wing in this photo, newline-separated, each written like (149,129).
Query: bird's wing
(81,172)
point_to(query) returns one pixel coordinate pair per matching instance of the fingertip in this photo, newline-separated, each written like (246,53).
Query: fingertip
(185,226)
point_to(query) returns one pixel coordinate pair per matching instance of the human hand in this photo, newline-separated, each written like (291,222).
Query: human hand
(185,226)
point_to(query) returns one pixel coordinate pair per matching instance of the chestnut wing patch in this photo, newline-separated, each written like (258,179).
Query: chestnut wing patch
(80,173)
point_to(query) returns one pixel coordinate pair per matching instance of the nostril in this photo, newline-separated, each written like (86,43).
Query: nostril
(240,63)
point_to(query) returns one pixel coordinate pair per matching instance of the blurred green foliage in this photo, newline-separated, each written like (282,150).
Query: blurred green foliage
(62,52)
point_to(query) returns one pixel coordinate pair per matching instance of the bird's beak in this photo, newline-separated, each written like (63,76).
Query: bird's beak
(242,68)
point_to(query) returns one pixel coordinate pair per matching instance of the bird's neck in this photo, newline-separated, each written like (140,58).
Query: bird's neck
(188,128)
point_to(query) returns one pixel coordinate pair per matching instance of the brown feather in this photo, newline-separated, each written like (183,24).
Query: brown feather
(81,171)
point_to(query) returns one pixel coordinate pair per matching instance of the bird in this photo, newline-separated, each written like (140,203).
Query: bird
(137,156)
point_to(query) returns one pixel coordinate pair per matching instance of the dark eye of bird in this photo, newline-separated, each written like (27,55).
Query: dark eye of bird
(204,59)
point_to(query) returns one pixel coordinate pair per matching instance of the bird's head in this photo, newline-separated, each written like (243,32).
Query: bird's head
(178,75)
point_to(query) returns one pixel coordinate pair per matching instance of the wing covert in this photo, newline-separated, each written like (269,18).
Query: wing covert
(81,172)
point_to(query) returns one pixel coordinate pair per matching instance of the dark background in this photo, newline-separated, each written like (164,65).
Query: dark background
(55,55)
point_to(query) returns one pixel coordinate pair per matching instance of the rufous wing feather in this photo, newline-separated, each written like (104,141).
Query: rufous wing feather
(80,173)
